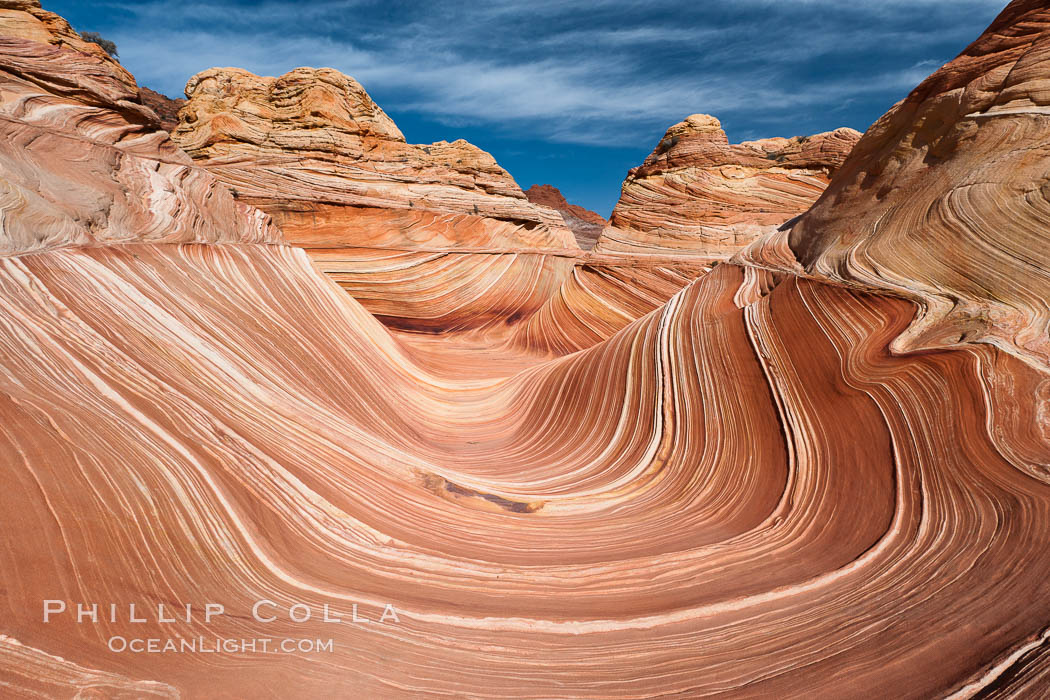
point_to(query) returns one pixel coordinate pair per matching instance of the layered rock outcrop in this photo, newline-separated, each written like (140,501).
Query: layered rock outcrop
(697,194)
(744,493)
(944,199)
(314,151)
(84,163)
(315,137)
(585,224)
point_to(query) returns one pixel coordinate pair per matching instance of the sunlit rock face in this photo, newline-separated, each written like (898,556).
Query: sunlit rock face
(743,493)
(433,237)
(697,194)
(84,163)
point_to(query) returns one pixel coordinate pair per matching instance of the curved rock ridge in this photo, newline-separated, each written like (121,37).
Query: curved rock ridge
(744,493)
(600,296)
(945,199)
(26,19)
(697,194)
(310,462)
(585,224)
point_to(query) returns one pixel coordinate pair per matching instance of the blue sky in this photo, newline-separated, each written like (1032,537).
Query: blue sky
(566,92)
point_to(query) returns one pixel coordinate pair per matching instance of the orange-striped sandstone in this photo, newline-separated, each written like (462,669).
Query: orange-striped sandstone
(744,493)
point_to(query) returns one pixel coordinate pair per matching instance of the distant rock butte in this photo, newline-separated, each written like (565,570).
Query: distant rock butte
(698,194)
(165,107)
(585,224)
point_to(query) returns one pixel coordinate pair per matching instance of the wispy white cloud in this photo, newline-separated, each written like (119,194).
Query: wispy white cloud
(594,71)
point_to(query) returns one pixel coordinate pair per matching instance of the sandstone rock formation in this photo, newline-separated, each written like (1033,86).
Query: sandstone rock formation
(84,163)
(314,151)
(744,493)
(165,107)
(434,239)
(695,201)
(959,169)
(316,136)
(27,19)
(697,194)
(585,224)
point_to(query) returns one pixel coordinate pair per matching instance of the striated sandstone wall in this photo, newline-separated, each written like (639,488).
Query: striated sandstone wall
(697,194)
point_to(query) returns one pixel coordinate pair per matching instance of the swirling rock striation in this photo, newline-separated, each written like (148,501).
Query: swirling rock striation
(945,200)
(744,493)
(697,194)
(84,163)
